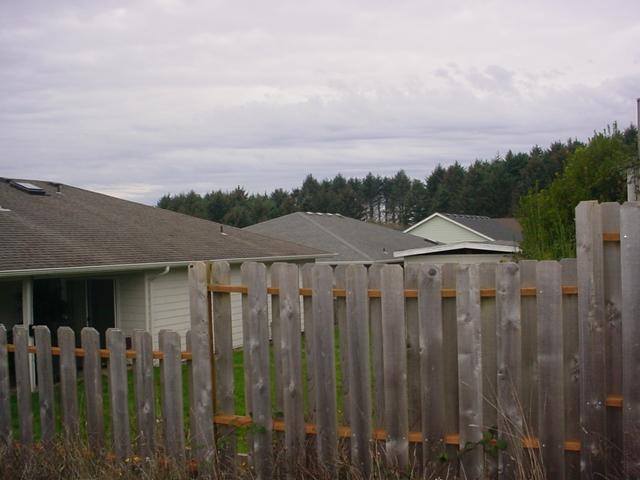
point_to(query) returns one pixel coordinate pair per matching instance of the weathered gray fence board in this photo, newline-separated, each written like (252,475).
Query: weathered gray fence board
(529,323)
(395,367)
(44,365)
(509,355)
(223,354)
(23,383)
(171,381)
(91,369)
(571,367)
(202,440)
(630,261)
(593,391)
(375,319)
(325,370)
(187,340)
(431,368)
(5,396)
(307,313)
(359,368)
(550,363)
(276,342)
(470,369)
(288,281)
(68,382)
(413,348)
(256,341)
(118,394)
(450,341)
(613,315)
(340,315)
(145,405)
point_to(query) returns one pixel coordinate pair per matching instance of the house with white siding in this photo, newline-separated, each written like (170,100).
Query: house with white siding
(69,256)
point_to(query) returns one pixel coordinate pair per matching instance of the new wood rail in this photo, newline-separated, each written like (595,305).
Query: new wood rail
(376,293)
(379,434)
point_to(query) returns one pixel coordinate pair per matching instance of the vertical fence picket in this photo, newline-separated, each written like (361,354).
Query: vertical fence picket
(188,346)
(172,406)
(223,338)
(592,339)
(92,371)
(395,367)
(307,314)
(325,370)
(375,320)
(613,324)
(413,362)
(5,391)
(288,281)
(202,439)
(68,383)
(276,342)
(630,261)
(118,394)
(359,368)
(44,364)
(431,368)
(529,324)
(509,354)
(340,312)
(571,367)
(450,346)
(256,341)
(550,363)
(143,381)
(23,383)
(470,370)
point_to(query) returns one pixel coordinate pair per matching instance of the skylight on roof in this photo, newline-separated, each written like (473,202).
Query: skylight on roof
(27,187)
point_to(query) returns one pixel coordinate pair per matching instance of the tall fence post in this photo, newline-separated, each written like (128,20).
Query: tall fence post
(23,383)
(202,440)
(592,338)
(5,396)
(44,365)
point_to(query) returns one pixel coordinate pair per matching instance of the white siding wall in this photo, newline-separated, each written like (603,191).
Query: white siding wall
(443,231)
(131,302)
(169,303)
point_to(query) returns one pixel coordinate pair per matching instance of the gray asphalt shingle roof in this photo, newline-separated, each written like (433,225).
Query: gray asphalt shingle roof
(496,228)
(77,228)
(353,240)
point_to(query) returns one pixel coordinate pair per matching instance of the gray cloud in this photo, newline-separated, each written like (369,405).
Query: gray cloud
(142,98)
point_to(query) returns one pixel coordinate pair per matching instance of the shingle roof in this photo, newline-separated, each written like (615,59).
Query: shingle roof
(352,240)
(77,228)
(495,228)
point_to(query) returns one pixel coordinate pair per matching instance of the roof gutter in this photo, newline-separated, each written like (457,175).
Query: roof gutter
(147,266)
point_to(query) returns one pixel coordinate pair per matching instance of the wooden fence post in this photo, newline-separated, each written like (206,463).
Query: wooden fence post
(172,406)
(145,405)
(550,363)
(23,383)
(529,324)
(375,316)
(118,394)
(325,368)
(45,383)
(593,392)
(5,392)
(431,364)
(68,383)
(202,439)
(276,345)
(256,341)
(288,281)
(630,262)
(470,370)
(223,338)
(340,312)
(509,355)
(359,370)
(412,327)
(92,370)
(307,314)
(395,367)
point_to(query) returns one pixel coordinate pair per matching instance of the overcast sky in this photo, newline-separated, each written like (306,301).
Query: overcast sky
(138,99)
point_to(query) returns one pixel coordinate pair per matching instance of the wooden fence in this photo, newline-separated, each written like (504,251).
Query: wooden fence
(420,369)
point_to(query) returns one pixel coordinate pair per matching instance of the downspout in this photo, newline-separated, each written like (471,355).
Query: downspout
(150,279)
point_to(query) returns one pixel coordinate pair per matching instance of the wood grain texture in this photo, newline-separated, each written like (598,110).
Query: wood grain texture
(375,321)
(359,367)
(470,369)
(171,382)
(143,381)
(91,369)
(395,367)
(630,261)
(256,341)
(5,391)
(592,327)
(529,323)
(44,366)
(118,394)
(307,313)
(276,342)
(550,362)
(340,316)
(23,383)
